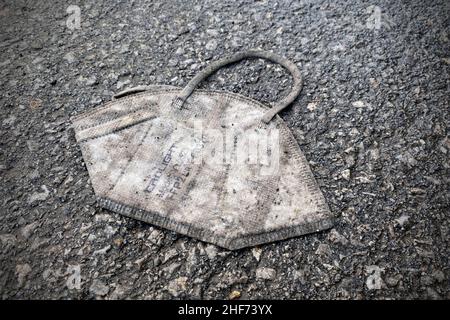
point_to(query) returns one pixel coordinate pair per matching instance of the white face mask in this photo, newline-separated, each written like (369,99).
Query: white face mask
(211,165)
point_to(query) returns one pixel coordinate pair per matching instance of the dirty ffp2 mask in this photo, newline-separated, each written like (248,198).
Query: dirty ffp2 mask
(212,165)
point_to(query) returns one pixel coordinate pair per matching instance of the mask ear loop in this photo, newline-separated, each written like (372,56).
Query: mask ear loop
(213,67)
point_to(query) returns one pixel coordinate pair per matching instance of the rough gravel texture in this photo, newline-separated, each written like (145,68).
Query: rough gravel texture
(372,120)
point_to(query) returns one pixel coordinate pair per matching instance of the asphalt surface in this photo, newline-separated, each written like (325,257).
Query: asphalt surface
(372,120)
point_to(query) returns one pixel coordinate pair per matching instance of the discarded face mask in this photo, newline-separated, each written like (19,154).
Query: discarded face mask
(212,165)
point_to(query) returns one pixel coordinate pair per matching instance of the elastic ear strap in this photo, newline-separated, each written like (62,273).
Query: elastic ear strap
(277,107)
